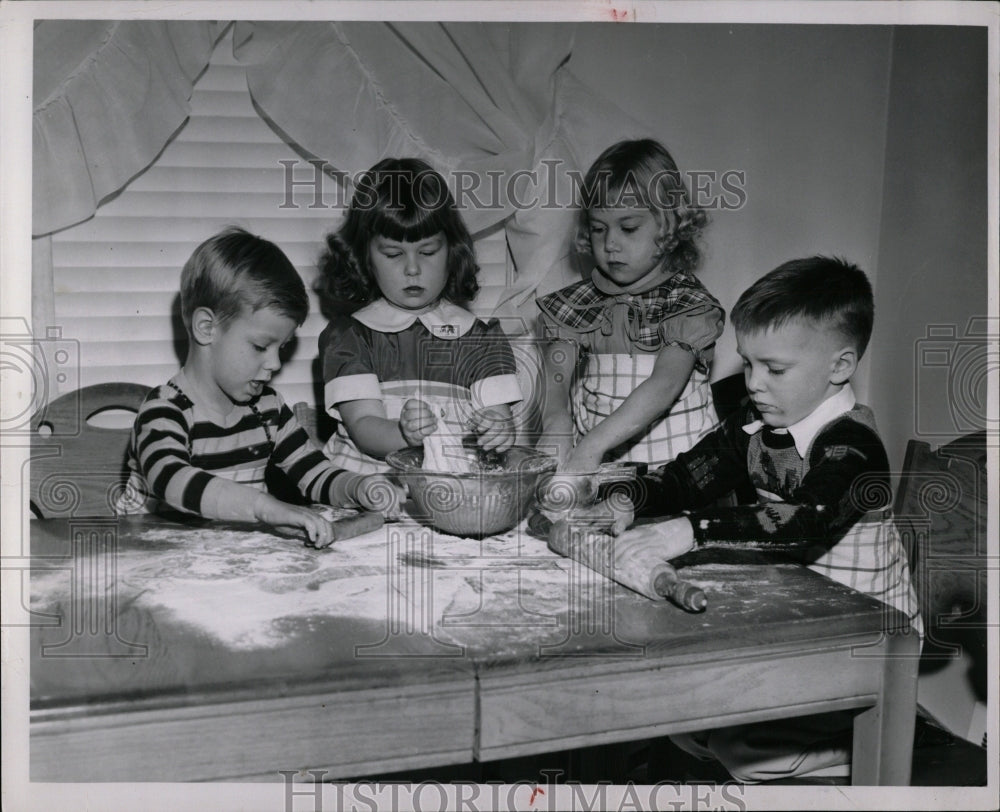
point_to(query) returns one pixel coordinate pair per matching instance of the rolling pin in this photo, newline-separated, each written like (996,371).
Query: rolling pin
(348,527)
(631,559)
(351,526)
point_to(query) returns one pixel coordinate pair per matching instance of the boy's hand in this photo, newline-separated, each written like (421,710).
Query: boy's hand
(276,513)
(375,492)
(416,421)
(574,499)
(671,538)
(495,427)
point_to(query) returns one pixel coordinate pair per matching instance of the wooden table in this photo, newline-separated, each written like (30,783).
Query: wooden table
(189,651)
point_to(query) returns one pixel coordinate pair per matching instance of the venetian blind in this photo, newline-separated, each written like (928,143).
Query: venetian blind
(116,276)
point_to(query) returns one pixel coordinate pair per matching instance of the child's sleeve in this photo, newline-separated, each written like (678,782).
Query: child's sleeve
(551,330)
(695,328)
(348,366)
(848,476)
(494,379)
(570,314)
(296,455)
(698,477)
(163,458)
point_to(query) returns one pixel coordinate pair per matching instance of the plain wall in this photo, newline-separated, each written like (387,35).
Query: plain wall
(932,269)
(800,109)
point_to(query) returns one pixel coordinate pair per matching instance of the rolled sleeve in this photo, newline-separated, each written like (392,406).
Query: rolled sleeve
(348,366)
(496,390)
(365,386)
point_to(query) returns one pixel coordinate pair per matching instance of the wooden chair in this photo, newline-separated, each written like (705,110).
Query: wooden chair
(77,466)
(940,511)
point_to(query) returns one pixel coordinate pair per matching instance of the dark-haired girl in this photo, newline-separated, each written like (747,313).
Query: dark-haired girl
(411,354)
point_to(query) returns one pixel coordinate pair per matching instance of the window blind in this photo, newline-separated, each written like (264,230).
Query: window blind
(116,276)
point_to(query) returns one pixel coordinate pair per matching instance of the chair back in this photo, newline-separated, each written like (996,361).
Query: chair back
(77,466)
(940,512)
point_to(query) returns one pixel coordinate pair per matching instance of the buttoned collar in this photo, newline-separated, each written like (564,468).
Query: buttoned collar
(805,431)
(444,320)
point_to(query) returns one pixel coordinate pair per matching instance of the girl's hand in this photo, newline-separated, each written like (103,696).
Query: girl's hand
(416,421)
(563,493)
(582,460)
(375,492)
(495,427)
(559,445)
(280,514)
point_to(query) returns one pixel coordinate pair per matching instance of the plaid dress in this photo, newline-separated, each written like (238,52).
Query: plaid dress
(619,336)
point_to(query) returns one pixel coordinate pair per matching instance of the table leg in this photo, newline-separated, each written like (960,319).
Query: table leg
(883,734)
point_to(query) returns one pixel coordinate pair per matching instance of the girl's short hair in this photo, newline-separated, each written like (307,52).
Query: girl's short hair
(400,199)
(643,173)
(233,270)
(824,290)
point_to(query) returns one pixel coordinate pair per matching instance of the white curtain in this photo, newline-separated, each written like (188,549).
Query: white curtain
(108,95)
(495,102)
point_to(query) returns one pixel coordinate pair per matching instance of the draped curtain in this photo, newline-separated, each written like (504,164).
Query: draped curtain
(491,106)
(108,96)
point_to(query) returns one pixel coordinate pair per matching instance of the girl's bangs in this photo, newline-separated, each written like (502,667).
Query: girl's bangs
(617,194)
(410,223)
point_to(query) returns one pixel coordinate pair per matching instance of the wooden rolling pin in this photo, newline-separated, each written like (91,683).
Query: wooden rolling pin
(632,559)
(348,527)
(351,526)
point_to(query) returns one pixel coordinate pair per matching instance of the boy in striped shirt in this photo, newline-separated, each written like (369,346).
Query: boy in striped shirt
(202,441)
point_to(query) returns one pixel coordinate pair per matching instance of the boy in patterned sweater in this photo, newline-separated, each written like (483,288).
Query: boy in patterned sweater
(820,472)
(201,442)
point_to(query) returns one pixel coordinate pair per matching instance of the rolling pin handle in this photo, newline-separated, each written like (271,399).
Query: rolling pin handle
(686,595)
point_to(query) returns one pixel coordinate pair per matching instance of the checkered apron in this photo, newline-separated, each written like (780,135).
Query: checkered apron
(870,558)
(608,379)
(455,400)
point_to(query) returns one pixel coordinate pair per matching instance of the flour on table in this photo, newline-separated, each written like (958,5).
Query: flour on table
(244,588)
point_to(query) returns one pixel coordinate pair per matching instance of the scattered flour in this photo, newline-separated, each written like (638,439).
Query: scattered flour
(244,588)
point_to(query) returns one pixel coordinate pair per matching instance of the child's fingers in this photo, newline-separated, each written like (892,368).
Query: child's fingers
(417,425)
(318,530)
(563,492)
(498,438)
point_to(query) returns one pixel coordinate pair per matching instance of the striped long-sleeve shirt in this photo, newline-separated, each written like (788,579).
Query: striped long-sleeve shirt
(179,446)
